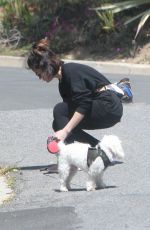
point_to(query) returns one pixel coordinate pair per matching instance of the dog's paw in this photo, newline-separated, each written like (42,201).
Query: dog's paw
(90,186)
(101,185)
(63,189)
(68,187)
(90,189)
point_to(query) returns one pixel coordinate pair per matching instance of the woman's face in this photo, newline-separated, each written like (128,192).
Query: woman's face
(44,75)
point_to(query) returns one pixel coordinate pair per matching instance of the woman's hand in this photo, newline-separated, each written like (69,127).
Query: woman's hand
(75,120)
(61,134)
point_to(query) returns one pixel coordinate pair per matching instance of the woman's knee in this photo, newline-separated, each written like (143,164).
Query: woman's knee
(60,109)
(61,116)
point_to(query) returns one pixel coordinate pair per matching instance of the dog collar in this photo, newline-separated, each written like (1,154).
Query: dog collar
(93,153)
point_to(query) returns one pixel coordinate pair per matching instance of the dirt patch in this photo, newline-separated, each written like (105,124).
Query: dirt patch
(142,55)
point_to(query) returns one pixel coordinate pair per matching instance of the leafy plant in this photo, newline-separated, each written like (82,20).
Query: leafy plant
(16,11)
(126,5)
(107,19)
(3,2)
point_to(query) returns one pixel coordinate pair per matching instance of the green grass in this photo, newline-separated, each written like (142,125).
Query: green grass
(21,52)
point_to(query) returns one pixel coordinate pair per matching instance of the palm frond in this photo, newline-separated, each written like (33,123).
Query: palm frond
(126,5)
(133,18)
(120,6)
(142,22)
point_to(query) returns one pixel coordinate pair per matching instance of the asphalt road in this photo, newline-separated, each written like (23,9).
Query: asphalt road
(25,122)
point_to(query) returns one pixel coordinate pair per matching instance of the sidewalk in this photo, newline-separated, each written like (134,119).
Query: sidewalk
(106,67)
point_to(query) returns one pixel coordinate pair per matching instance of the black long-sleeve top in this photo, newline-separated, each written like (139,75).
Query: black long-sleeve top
(78,84)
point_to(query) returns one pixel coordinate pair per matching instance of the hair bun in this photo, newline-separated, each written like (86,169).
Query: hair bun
(43,43)
(41,46)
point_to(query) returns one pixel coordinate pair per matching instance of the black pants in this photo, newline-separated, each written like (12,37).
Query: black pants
(96,119)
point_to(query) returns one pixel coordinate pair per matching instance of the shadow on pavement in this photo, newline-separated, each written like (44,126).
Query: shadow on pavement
(46,169)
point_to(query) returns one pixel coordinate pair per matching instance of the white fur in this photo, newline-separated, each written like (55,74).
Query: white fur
(74,156)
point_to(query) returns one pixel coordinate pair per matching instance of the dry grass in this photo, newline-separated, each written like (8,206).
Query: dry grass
(5,170)
(7,184)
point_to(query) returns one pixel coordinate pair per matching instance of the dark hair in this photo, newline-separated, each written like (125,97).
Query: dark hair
(41,57)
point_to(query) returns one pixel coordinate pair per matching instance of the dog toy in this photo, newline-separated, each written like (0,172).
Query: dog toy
(52,145)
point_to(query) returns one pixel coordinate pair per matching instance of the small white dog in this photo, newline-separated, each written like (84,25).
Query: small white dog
(74,156)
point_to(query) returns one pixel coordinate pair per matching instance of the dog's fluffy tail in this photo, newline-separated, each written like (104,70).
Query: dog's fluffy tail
(113,144)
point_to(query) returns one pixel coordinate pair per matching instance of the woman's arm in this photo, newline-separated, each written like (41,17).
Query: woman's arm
(74,121)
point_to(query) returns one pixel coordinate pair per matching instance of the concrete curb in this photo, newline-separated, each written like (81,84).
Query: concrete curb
(119,68)
(8,61)
(106,67)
